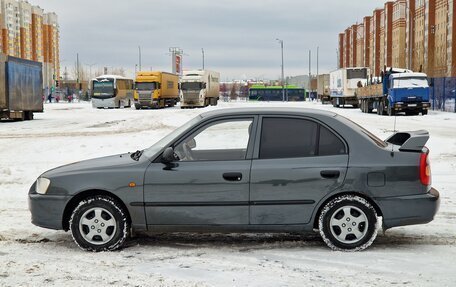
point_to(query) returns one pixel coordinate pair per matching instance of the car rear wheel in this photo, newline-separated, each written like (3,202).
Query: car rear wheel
(348,223)
(99,224)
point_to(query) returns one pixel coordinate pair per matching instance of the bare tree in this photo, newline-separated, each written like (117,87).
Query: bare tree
(233,92)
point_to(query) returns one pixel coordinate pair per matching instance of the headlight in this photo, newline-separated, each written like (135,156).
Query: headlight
(42,185)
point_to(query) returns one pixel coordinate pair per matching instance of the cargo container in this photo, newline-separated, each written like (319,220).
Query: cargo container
(343,84)
(199,88)
(21,88)
(400,91)
(323,90)
(155,89)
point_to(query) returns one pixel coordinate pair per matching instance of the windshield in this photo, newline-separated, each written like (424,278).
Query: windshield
(146,86)
(164,142)
(410,83)
(104,87)
(191,86)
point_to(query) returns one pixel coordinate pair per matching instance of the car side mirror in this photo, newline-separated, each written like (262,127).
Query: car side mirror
(169,156)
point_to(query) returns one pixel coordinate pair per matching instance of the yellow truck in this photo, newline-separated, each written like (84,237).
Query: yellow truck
(155,89)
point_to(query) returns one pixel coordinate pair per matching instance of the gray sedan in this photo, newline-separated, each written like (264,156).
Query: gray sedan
(246,170)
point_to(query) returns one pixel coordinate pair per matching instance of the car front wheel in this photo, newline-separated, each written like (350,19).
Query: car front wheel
(99,224)
(348,223)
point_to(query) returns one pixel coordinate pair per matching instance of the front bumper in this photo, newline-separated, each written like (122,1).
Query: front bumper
(409,210)
(47,210)
(402,106)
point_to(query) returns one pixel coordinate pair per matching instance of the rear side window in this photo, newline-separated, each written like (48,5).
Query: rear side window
(292,138)
(288,138)
(329,143)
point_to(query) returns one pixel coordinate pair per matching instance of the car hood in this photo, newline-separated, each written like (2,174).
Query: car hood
(94,165)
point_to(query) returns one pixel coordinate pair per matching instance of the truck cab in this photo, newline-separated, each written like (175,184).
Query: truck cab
(155,89)
(199,88)
(407,92)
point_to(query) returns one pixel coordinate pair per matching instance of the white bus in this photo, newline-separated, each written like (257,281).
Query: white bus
(112,91)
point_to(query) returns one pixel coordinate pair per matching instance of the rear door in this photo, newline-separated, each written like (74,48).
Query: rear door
(297,161)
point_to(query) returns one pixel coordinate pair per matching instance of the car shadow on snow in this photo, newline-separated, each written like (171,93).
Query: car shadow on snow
(242,242)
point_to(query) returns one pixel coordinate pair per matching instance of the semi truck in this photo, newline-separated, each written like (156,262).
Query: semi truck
(21,88)
(156,89)
(343,84)
(400,90)
(323,90)
(199,88)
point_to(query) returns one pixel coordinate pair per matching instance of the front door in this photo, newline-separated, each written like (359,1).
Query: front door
(296,163)
(209,184)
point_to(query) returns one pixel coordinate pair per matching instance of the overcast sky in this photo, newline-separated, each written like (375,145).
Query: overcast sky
(238,36)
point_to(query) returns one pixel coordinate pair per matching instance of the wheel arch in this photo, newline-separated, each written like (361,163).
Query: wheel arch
(71,205)
(324,202)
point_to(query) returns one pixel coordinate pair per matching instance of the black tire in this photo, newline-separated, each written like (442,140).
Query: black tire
(424,112)
(106,218)
(137,106)
(380,109)
(391,111)
(363,227)
(28,116)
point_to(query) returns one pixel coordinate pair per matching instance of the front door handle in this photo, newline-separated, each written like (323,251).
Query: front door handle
(330,173)
(232,176)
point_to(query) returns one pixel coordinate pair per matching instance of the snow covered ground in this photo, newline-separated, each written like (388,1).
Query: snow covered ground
(422,255)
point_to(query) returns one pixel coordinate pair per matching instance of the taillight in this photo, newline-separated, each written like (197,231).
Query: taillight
(425,168)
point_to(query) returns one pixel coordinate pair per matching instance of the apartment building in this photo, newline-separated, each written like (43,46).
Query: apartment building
(398,35)
(28,32)
(413,34)
(359,57)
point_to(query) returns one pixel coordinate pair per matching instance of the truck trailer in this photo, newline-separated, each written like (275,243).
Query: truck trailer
(323,90)
(343,84)
(156,89)
(21,88)
(400,91)
(199,88)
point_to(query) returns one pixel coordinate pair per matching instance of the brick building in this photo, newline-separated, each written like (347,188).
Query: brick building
(413,34)
(28,32)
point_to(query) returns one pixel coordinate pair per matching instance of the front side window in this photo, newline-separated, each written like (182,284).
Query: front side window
(224,140)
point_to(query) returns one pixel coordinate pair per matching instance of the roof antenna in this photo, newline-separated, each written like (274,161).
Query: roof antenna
(394,131)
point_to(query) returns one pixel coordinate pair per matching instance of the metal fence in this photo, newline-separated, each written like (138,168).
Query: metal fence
(443,94)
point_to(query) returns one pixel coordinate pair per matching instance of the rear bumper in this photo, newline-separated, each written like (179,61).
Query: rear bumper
(409,210)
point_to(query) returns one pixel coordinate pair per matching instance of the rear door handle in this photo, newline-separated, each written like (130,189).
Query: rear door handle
(330,173)
(232,176)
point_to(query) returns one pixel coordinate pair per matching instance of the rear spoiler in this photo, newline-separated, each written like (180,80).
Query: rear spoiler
(409,141)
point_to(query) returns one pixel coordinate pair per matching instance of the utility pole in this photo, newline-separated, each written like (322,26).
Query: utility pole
(317,60)
(310,71)
(202,51)
(77,68)
(139,49)
(283,80)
